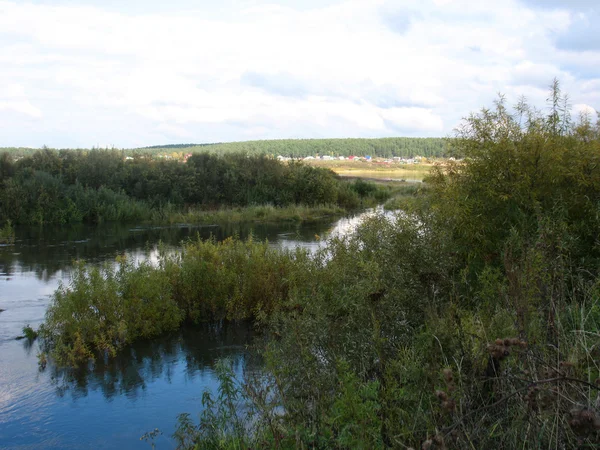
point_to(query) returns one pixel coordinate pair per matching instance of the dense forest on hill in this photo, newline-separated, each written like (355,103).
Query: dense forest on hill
(470,320)
(175,146)
(66,186)
(297,148)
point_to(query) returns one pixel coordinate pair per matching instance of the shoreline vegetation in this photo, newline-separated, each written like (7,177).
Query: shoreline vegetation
(7,233)
(470,320)
(60,187)
(251,214)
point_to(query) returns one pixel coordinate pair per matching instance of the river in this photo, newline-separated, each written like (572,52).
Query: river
(111,405)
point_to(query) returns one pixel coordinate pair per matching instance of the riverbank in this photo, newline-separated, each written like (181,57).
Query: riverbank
(364,195)
(103,186)
(250,214)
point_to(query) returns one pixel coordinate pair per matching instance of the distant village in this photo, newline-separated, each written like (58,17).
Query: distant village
(180,156)
(366,158)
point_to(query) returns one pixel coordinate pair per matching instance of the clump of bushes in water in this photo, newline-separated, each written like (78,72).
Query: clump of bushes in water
(7,233)
(105,308)
(94,186)
(29,333)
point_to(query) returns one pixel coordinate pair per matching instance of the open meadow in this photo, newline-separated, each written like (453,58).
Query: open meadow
(375,170)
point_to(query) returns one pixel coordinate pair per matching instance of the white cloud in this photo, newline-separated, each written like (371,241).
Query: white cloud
(14,100)
(583,109)
(22,107)
(253,69)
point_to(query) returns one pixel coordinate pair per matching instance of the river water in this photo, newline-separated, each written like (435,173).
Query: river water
(113,404)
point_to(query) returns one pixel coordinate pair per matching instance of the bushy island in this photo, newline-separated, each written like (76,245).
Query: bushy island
(469,321)
(7,233)
(72,186)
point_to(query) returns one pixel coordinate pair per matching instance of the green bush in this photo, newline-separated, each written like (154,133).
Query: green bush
(99,186)
(106,308)
(7,233)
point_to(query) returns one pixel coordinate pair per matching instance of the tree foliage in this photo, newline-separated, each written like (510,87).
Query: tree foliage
(102,185)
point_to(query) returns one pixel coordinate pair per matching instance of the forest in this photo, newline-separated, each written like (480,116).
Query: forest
(298,148)
(470,320)
(70,186)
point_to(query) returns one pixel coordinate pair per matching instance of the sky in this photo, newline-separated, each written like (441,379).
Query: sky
(104,73)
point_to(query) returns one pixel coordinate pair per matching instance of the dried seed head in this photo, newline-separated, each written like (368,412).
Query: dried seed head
(449,405)
(427,444)
(441,395)
(448,374)
(587,416)
(438,439)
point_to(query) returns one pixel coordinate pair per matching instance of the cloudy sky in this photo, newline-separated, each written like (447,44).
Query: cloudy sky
(82,73)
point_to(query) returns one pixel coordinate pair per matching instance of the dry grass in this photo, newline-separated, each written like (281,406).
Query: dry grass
(374,170)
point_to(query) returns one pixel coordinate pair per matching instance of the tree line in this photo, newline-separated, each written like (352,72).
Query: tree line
(65,186)
(298,148)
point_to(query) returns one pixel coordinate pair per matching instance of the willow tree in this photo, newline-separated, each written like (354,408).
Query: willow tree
(524,172)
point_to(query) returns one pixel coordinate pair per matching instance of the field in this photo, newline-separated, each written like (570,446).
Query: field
(375,170)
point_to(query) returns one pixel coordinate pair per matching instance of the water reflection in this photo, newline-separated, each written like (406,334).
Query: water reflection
(111,404)
(45,252)
(194,349)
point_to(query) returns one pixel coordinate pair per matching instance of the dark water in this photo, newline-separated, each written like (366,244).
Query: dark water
(148,384)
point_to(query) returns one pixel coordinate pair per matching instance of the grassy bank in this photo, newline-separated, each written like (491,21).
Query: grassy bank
(260,214)
(407,197)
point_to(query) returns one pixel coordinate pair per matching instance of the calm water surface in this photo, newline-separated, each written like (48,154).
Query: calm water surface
(148,384)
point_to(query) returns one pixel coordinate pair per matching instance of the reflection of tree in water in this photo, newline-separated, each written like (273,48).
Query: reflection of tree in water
(133,368)
(49,250)
(46,251)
